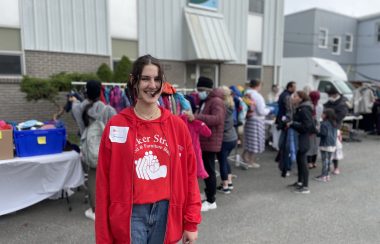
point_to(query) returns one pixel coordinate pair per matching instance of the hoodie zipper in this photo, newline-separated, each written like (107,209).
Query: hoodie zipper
(132,178)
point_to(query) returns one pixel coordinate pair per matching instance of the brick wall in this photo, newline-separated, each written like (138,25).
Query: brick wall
(42,64)
(232,74)
(14,106)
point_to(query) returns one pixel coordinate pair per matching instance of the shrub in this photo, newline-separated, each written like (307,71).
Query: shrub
(122,70)
(104,73)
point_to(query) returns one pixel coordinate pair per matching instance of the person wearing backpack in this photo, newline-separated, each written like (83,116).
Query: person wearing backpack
(91,115)
(146,184)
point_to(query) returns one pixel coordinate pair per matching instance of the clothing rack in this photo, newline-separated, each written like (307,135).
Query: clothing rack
(185,90)
(81,83)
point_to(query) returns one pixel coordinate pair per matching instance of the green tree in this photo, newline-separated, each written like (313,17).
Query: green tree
(122,70)
(104,73)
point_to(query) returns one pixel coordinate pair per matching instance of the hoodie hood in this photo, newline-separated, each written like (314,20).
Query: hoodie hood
(236,91)
(216,92)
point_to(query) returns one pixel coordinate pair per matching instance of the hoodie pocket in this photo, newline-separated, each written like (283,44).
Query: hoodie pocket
(119,215)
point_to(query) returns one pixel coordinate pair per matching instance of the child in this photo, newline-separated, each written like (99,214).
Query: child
(327,145)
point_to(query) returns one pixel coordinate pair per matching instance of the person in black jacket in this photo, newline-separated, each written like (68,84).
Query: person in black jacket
(339,104)
(284,105)
(304,125)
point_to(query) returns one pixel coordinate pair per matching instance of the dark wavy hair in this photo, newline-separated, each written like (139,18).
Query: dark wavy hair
(135,76)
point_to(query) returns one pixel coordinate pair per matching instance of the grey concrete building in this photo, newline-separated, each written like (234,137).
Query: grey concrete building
(323,34)
(352,42)
(368,48)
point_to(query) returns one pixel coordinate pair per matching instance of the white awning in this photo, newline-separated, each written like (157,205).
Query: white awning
(210,37)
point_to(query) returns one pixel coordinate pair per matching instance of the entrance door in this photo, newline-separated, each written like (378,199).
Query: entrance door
(194,71)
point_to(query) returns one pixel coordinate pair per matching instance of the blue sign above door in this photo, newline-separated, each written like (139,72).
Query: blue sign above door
(208,4)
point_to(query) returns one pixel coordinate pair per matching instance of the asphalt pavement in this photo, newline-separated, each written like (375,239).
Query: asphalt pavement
(259,210)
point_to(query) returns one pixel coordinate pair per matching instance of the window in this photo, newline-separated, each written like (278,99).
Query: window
(256,6)
(324,86)
(349,42)
(323,37)
(10,64)
(378,32)
(254,65)
(336,45)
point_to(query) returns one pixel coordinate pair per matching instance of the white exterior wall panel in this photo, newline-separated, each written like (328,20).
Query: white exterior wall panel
(255,33)
(78,26)
(161,28)
(9,13)
(273,26)
(236,17)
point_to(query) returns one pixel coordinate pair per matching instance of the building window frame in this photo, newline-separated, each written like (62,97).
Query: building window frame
(351,42)
(22,66)
(253,10)
(377,33)
(325,38)
(337,46)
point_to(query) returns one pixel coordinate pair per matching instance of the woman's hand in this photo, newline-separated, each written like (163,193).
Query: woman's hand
(190,115)
(189,237)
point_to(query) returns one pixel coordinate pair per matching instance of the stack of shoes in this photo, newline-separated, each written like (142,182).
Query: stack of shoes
(90,214)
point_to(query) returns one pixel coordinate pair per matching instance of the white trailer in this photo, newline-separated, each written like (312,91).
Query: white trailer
(317,73)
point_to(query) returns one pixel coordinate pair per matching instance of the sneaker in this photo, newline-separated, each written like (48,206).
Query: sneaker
(223,190)
(302,190)
(321,178)
(336,171)
(295,185)
(253,165)
(230,186)
(90,214)
(208,206)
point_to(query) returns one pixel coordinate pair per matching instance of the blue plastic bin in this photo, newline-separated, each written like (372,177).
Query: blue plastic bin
(39,142)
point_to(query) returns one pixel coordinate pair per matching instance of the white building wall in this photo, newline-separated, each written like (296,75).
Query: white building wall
(273,37)
(9,13)
(255,33)
(123,19)
(161,28)
(77,26)
(236,18)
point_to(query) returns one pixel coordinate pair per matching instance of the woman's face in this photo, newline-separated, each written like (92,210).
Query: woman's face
(149,86)
(296,99)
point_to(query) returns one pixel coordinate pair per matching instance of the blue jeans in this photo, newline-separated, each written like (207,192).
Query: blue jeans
(149,222)
(326,161)
(225,168)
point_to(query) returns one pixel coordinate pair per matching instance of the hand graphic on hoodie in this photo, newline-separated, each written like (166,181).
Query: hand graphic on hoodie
(148,167)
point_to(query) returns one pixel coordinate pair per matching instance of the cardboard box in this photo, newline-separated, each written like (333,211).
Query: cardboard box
(6,144)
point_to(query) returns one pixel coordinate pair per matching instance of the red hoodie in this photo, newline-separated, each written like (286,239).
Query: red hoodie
(115,177)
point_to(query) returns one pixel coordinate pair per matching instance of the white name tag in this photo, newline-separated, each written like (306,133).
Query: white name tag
(118,134)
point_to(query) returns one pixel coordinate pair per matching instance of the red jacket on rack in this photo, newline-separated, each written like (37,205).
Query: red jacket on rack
(115,177)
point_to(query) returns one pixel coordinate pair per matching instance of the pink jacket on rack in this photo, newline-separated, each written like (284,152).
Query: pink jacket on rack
(196,128)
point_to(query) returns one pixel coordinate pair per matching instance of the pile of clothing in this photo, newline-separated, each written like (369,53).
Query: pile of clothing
(37,125)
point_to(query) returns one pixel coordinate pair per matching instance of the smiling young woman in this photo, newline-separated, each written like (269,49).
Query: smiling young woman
(147,188)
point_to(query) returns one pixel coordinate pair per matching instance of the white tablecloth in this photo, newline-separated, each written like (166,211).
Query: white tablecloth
(26,181)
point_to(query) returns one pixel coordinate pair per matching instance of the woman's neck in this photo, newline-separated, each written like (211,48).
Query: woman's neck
(147,111)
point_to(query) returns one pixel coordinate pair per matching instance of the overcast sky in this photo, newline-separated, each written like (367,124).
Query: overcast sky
(356,8)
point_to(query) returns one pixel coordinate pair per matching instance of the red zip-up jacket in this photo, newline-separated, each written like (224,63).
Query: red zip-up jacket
(115,172)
